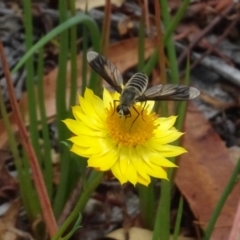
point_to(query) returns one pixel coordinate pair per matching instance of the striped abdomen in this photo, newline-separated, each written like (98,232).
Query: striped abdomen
(138,81)
(134,88)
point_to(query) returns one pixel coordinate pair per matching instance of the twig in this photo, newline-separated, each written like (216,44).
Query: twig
(213,46)
(205,31)
(37,175)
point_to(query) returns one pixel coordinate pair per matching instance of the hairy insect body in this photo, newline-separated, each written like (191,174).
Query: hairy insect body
(134,88)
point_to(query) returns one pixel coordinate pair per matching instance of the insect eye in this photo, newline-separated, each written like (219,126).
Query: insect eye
(126,111)
(120,110)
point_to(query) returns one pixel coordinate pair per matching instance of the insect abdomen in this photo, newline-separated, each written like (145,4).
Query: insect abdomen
(139,81)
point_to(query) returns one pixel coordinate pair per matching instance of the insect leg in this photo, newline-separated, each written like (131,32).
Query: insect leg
(145,103)
(114,106)
(135,117)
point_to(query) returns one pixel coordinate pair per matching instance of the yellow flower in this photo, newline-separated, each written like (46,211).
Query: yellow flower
(133,148)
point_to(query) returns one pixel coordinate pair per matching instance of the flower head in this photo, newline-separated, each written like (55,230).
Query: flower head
(133,148)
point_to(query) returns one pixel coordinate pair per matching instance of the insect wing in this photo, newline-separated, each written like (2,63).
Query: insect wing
(169,92)
(106,69)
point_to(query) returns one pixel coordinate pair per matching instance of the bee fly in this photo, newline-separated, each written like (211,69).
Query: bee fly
(136,88)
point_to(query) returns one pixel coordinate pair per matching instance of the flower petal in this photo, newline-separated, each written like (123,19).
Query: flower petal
(138,163)
(166,123)
(75,110)
(131,173)
(167,150)
(143,181)
(83,141)
(81,151)
(149,106)
(107,99)
(155,171)
(158,159)
(87,107)
(103,145)
(104,162)
(97,104)
(90,122)
(167,136)
(81,129)
(117,173)
(72,125)
(150,167)
(123,159)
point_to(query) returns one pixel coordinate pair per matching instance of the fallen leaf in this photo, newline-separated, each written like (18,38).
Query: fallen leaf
(8,185)
(204,172)
(89,4)
(9,220)
(135,233)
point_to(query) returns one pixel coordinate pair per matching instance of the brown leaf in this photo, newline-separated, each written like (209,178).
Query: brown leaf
(89,4)
(135,233)
(204,172)
(8,185)
(9,220)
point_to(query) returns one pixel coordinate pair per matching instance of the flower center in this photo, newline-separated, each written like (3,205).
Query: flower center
(134,130)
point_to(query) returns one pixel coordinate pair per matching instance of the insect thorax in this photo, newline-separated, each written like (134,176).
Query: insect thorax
(129,96)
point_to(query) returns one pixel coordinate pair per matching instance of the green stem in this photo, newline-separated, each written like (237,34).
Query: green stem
(178,221)
(146,196)
(161,227)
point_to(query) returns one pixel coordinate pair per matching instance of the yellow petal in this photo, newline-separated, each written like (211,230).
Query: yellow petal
(107,99)
(82,129)
(75,110)
(90,122)
(169,137)
(131,173)
(97,104)
(150,168)
(83,141)
(138,163)
(103,145)
(154,157)
(143,181)
(104,162)
(167,150)
(116,96)
(149,106)
(81,151)
(73,126)
(123,159)
(88,93)
(158,159)
(166,123)
(87,107)
(117,173)
(155,170)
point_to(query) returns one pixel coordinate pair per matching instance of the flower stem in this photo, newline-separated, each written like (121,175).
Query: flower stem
(161,227)
(95,180)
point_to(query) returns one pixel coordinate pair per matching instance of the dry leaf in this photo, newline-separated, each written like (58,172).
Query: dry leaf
(89,4)
(135,233)
(9,220)
(204,172)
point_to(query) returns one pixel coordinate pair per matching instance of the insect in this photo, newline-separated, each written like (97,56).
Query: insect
(136,88)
